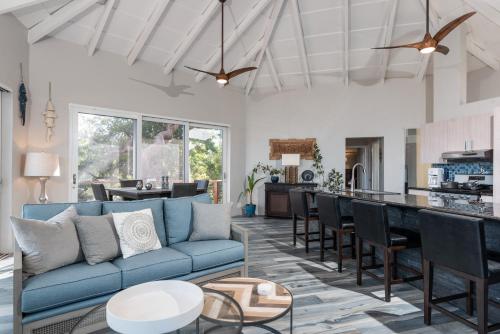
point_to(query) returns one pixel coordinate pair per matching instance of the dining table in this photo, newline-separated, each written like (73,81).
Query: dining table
(132,193)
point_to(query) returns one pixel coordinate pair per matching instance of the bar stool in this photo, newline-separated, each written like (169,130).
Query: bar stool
(372,227)
(301,210)
(331,218)
(457,244)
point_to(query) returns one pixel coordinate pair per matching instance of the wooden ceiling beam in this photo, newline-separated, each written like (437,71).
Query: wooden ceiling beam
(58,19)
(480,52)
(7,6)
(272,69)
(299,37)
(96,36)
(154,18)
(272,21)
(191,36)
(389,30)
(347,28)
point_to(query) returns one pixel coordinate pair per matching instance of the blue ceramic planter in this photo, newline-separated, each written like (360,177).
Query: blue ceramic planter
(250,210)
(275,179)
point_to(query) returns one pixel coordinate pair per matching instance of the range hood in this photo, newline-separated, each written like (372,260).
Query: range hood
(474,155)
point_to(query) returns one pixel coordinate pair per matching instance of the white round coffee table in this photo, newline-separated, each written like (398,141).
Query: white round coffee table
(154,307)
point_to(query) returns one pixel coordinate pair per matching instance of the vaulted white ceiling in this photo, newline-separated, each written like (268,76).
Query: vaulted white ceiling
(302,43)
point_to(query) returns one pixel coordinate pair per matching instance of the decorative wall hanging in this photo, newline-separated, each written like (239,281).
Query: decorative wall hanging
(50,116)
(23,97)
(304,147)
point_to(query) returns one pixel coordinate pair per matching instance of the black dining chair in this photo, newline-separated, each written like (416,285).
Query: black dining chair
(301,209)
(372,226)
(183,190)
(202,185)
(100,193)
(126,183)
(457,244)
(330,217)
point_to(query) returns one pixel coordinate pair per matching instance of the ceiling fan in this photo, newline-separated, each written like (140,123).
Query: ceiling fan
(430,44)
(222,77)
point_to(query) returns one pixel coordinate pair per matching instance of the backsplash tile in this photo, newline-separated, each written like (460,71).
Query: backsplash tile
(464,168)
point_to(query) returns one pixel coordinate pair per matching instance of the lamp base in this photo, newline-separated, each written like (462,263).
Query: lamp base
(291,174)
(43,199)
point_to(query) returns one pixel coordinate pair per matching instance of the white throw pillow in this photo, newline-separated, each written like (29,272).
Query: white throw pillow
(136,231)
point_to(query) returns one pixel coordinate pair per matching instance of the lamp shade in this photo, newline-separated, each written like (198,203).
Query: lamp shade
(41,164)
(290,159)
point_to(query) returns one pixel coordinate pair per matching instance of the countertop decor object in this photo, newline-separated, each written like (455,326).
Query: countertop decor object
(307,175)
(42,165)
(139,185)
(155,307)
(291,162)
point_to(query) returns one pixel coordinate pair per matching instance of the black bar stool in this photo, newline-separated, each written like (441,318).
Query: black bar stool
(372,227)
(458,244)
(301,210)
(331,218)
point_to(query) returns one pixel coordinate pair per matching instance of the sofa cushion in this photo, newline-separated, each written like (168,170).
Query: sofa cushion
(155,265)
(211,253)
(178,216)
(69,284)
(156,206)
(46,211)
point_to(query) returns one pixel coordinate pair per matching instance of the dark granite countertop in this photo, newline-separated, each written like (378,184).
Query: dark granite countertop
(473,209)
(482,192)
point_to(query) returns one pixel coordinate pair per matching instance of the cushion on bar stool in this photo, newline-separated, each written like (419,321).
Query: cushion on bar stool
(398,240)
(494,268)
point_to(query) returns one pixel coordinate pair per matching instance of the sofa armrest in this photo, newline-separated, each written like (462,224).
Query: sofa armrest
(18,288)
(240,234)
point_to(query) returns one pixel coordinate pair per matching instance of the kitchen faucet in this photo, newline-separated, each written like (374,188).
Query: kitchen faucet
(354,172)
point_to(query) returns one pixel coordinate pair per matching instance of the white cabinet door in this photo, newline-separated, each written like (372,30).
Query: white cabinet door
(456,134)
(478,129)
(434,141)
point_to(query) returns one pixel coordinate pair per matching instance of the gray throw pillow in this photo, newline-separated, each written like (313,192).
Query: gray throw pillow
(211,222)
(47,245)
(98,238)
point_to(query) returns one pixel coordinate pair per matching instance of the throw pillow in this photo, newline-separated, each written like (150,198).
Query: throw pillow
(136,231)
(98,238)
(47,245)
(211,221)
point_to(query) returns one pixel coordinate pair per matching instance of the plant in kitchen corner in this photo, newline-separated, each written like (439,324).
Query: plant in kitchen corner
(335,181)
(318,164)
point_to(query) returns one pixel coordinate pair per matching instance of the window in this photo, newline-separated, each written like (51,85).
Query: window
(105,151)
(110,145)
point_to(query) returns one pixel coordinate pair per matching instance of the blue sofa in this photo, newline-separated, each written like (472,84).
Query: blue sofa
(54,299)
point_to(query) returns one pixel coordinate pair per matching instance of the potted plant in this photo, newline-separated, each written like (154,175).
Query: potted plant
(272,171)
(335,181)
(251,182)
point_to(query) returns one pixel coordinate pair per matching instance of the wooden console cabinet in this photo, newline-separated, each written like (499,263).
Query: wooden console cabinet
(277,199)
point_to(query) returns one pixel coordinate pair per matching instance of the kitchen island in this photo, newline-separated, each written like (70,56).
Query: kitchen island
(402,213)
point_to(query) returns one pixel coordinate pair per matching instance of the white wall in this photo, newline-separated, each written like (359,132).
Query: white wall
(14,49)
(483,84)
(104,81)
(333,113)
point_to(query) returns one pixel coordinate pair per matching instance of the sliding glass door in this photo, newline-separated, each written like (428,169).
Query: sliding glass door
(109,145)
(206,158)
(106,151)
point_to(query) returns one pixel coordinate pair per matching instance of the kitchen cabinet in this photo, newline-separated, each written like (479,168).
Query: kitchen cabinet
(476,130)
(434,141)
(452,135)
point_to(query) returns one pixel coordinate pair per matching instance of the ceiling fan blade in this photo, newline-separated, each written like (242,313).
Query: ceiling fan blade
(441,34)
(197,70)
(442,49)
(412,45)
(237,72)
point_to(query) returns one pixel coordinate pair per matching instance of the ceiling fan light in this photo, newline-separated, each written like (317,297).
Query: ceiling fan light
(427,50)
(222,81)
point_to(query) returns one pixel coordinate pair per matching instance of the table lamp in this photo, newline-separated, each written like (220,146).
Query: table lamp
(42,165)
(291,163)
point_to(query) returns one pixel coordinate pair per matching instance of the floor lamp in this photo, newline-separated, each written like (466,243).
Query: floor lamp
(291,163)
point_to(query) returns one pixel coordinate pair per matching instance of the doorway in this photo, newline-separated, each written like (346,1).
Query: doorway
(369,152)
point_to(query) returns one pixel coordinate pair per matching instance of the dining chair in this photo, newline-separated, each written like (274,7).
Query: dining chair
(202,185)
(100,193)
(183,190)
(126,183)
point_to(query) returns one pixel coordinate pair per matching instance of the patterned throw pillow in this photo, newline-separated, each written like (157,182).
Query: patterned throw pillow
(136,231)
